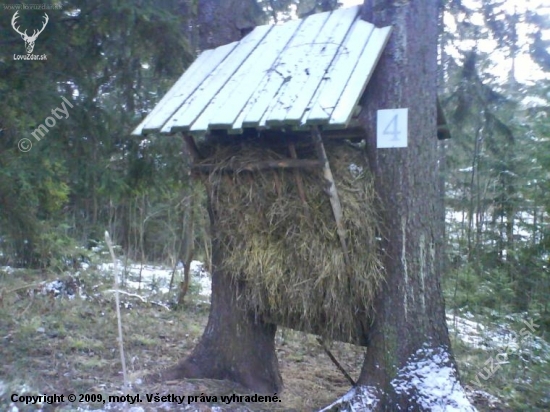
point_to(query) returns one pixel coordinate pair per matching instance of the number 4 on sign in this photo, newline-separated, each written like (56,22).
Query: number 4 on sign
(393,132)
(392,128)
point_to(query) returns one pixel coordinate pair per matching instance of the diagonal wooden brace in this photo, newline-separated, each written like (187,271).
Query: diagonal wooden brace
(331,191)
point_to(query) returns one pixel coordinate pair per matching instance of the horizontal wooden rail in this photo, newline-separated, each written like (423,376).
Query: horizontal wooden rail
(258,166)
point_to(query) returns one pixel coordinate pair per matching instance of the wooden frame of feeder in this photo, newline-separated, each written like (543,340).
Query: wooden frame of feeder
(293,162)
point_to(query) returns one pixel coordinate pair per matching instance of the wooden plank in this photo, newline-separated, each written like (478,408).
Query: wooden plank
(182,119)
(360,77)
(305,72)
(332,192)
(185,86)
(314,66)
(304,133)
(335,361)
(235,131)
(227,104)
(297,175)
(252,113)
(188,79)
(198,134)
(257,166)
(339,73)
(282,70)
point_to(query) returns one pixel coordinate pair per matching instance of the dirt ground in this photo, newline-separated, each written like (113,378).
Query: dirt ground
(62,339)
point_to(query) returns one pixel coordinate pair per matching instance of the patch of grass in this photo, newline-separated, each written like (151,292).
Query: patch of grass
(144,340)
(91,363)
(84,344)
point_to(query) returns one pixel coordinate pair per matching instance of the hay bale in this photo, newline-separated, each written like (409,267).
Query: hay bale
(288,253)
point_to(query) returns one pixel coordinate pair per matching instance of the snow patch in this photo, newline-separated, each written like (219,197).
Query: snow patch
(500,336)
(355,170)
(360,398)
(158,278)
(7,269)
(466,330)
(428,380)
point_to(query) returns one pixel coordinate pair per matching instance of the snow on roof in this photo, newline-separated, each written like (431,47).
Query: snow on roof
(311,71)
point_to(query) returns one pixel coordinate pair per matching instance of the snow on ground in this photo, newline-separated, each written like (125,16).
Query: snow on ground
(466,330)
(157,278)
(501,336)
(428,378)
(153,279)
(360,398)
(426,374)
(7,269)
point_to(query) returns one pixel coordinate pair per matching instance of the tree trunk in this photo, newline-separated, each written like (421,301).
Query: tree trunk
(409,365)
(235,345)
(223,21)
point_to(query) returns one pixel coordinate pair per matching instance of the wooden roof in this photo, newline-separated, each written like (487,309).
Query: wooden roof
(311,71)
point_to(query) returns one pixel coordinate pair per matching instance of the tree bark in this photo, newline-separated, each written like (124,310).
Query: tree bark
(409,365)
(223,21)
(235,345)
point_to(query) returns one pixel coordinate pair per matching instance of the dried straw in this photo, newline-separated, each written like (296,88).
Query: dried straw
(287,252)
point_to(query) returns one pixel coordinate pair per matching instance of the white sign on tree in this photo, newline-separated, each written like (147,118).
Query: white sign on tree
(392,128)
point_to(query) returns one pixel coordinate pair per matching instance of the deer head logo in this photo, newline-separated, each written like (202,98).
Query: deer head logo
(29,40)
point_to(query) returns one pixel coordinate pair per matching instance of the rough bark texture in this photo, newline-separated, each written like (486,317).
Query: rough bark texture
(223,21)
(235,345)
(409,342)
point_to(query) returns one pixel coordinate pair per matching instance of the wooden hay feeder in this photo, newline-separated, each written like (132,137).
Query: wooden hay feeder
(266,120)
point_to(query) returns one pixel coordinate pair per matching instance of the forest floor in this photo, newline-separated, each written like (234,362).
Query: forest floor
(58,335)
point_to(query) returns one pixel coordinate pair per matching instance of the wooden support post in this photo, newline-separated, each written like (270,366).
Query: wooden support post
(331,191)
(277,183)
(297,175)
(193,151)
(335,361)
(192,147)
